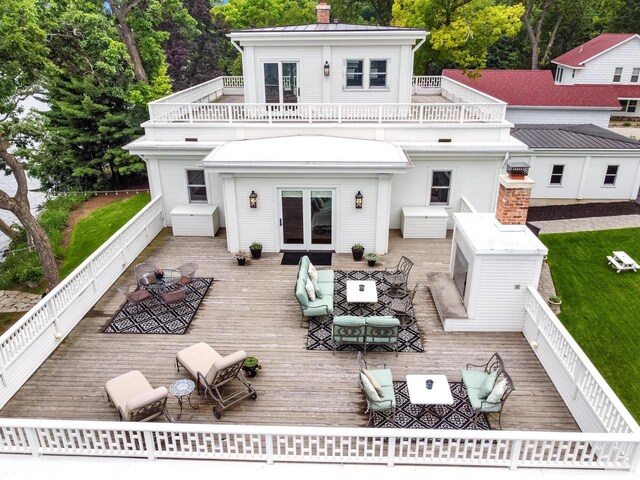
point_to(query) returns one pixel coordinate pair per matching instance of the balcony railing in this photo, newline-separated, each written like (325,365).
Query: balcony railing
(194,106)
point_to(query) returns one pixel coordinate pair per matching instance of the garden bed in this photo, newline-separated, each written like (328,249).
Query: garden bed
(582,210)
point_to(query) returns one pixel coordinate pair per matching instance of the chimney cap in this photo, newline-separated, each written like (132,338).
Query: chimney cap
(517,170)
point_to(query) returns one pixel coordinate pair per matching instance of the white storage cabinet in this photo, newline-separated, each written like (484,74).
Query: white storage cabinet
(424,222)
(194,220)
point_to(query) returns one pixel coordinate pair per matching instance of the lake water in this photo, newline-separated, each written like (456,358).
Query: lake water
(8,185)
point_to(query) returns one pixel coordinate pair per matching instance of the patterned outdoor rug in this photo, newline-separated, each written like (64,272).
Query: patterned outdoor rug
(319,337)
(154,316)
(458,416)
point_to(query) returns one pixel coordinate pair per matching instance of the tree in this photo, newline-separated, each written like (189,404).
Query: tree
(534,19)
(461,30)
(121,10)
(376,12)
(240,14)
(24,59)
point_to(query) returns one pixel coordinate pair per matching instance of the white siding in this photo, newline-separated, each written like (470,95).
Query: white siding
(475,178)
(625,181)
(600,70)
(558,115)
(541,174)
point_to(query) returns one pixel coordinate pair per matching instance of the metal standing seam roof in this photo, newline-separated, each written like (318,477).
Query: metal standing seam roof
(580,137)
(329,27)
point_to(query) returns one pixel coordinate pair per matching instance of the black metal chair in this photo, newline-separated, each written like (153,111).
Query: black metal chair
(398,276)
(402,307)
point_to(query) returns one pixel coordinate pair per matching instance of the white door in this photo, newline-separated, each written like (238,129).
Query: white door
(307,219)
(281,83)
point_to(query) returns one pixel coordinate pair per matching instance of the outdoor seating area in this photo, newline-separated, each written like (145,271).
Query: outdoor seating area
(237,316)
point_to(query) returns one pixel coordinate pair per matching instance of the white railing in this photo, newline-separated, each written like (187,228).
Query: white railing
(316,444)
(326,112)
(203,92)
(593,404)
(466,206)
(425,82)
(28,343)
(459,92)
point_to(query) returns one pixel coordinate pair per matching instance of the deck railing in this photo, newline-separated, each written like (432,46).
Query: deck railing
(418,82)
(466,206)
(317,444)
(593,404)
(28,343)
(194,106)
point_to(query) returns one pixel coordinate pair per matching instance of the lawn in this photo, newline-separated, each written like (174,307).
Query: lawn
(601,308)
(93,230)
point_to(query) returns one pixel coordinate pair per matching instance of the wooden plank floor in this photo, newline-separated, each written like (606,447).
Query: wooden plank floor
(253,308)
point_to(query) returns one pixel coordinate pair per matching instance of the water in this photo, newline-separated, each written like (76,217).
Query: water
(8,185)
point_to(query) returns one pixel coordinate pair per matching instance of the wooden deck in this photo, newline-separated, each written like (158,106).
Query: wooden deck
(253,308)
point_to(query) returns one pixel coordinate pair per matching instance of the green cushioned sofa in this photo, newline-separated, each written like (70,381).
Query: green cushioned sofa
(366,331)
(321,306)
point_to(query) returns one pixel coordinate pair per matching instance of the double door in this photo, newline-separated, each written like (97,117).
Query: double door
(307,219)
(281,82)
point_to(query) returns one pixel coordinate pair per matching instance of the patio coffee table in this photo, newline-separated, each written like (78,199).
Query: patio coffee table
(360,292)
(438,394)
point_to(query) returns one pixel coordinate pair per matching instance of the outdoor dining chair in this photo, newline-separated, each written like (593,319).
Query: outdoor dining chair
(398,276)
(402,307)
(175,295)
(144,270)
(187,272)
(134,294)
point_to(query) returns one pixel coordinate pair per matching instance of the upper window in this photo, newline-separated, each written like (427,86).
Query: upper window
(196,186)
(378,74)
(440,187)
(629,106)
(559,72)
(355,73)
(556,175)
(610,175)
(635,73)
(617,75)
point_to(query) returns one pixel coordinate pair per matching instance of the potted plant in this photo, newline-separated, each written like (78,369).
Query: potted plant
(554,300)
(241,256)
(256,250)
(251,366)
(371,259)
(357,250)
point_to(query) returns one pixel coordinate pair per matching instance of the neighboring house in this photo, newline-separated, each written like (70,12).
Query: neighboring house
(608,59)
(579,162)
(533,97)
(327,138)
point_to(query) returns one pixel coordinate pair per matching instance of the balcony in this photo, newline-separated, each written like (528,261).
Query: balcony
(436,100)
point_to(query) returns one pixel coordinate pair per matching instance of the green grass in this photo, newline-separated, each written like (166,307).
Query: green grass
(93,230)
(601,308)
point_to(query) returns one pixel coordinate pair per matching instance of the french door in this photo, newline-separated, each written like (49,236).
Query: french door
(281,82)
(307,219)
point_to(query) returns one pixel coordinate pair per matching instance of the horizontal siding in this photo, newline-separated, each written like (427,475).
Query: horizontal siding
(556,115)
(541,174)
(627,178)
(601,69)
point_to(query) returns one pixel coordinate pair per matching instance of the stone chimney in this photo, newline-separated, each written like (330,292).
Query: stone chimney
(323,12)
(514,194)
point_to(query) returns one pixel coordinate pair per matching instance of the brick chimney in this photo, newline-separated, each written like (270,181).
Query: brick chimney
(514,194)
(323,12)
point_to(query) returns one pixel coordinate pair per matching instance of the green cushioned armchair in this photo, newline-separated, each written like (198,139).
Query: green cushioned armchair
(321,306)
(387,401)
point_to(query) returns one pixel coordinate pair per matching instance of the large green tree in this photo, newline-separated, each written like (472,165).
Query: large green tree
(461,30)
(376,12)
(23,59)
(239,14)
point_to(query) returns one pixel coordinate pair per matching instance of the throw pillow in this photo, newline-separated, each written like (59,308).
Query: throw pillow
(368,389)
(313,273)
(317,289)
(374,381)
(496,394)
(487,386)
(310,290)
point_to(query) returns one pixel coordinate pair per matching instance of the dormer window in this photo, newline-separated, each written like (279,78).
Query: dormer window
(355,73)
(378,74)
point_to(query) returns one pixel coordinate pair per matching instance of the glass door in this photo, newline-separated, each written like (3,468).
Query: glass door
(290,91)
(307,219)
(281,82)
(271,84)
(321,217)
(292,220)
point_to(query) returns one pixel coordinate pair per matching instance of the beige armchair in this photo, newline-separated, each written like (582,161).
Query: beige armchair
(135,398)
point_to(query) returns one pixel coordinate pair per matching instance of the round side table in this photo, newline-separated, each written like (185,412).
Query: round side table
(182,389)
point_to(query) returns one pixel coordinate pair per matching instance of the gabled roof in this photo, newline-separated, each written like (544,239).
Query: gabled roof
(575,137)
(627,91)
(536,88)
(330,27)
(577,57)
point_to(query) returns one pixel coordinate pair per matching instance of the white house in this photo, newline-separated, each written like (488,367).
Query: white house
(608,59)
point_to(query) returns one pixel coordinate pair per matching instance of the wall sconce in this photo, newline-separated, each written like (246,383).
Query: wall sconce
(253,199)
(327,69)
(358,199)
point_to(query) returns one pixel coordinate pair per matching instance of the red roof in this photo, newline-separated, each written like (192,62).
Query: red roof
(536,88)
(627,91)
(595,46)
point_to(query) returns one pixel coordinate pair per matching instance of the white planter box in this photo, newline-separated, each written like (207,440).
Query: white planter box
(195,220)
(424,222)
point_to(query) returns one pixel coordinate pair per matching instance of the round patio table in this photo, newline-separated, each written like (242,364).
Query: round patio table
(169,278)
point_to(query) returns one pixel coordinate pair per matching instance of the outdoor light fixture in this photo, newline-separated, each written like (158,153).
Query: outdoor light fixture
(253,199)
(327,69)
(358,200)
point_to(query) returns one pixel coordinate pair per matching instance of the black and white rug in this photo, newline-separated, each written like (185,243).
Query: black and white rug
(155,316)
(459,416)
(319,337)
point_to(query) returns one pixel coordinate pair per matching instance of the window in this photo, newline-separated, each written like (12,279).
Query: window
(556,175)
(635,73)
(618,74)
(629,106)
(355,71)
(559,74)
(440,186)
(196,186)
(378,74)
(610,176)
